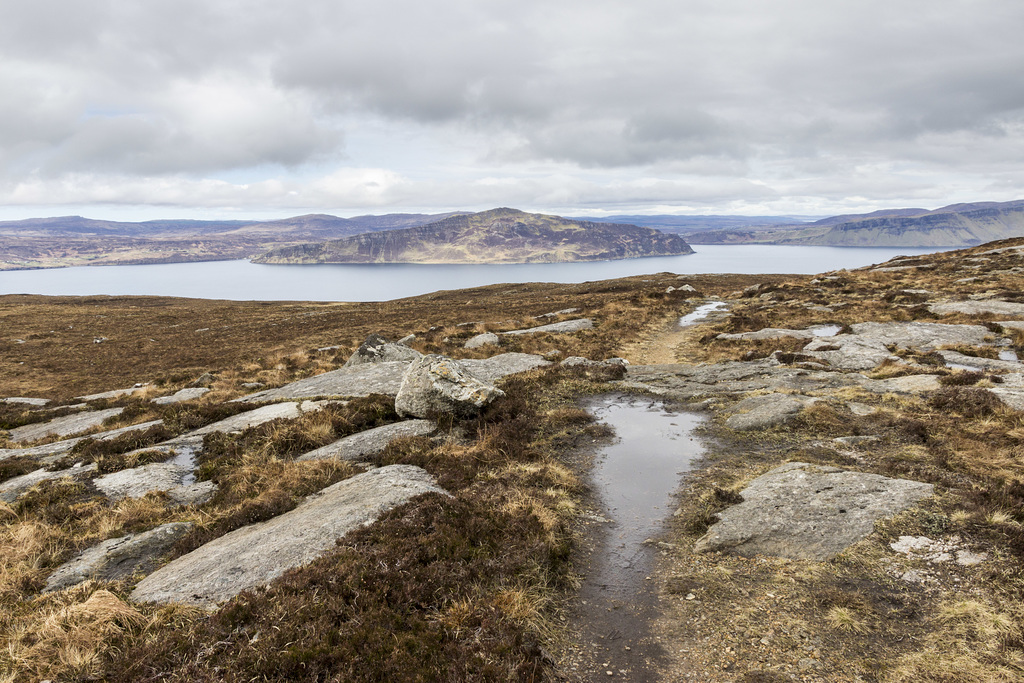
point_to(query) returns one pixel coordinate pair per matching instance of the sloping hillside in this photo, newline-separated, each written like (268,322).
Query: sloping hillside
(495,236)
(957,225)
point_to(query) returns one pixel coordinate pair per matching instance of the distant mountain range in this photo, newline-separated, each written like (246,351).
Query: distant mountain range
(957,225)
(74,240)
(495,236)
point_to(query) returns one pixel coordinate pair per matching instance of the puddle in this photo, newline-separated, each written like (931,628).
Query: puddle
(185,457)
(825,330)
(1008,354)
(701,312)
(635,477)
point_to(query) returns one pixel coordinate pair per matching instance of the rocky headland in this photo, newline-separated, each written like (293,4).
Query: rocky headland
(495,236)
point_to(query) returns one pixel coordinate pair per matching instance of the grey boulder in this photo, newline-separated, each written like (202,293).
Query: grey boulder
(377,349)
(257,554)
(118,558)
(437,384)
(809,512)
(485,339)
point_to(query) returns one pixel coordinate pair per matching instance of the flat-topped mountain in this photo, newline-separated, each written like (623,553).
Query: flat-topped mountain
(495,236)
(957,225)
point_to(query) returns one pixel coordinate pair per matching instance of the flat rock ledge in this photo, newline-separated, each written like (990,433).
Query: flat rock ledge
(257,554)
(118,558)
(563,327)
(171,477)
(64,426)
(187,394)
(770,410)
(808,512)
(12,489)
(386,378)
(358,446)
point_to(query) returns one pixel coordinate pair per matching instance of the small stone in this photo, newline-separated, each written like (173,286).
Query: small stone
(965,558)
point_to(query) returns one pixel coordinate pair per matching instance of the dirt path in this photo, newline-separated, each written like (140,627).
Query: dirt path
(666,342)
(619,603)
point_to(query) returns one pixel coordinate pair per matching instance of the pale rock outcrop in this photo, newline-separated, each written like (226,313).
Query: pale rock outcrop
(386,378)
(12,489)
(810,512)
(257,554)
(436,384)
(115,393)
(51,452)
(118,558)
(64,426)
(485,339)
(358,446)
(770,410)
(187,394)
(995,306)
(34,402)
(377,349)
(849,352)
(557,328)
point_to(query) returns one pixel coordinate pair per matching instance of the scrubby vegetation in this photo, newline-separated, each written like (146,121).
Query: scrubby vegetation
(479,585)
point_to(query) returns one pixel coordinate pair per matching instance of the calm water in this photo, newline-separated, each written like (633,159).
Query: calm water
(244,281)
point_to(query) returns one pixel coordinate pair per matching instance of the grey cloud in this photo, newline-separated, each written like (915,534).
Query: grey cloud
(767,92)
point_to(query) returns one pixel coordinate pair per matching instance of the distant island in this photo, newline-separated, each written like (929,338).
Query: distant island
(495,236)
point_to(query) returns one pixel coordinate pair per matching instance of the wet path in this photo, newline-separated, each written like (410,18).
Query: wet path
(634,478)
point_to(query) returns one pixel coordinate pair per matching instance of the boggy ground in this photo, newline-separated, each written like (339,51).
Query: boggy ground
(481,585)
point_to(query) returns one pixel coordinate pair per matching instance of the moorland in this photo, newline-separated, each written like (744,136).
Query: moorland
(915,382)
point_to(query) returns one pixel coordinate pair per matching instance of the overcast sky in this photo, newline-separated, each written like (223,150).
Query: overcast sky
(264,108)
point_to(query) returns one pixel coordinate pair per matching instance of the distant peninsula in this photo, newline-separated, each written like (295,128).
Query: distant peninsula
(496,236)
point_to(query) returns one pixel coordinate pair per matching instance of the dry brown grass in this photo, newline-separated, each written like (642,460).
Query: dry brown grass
(73,634)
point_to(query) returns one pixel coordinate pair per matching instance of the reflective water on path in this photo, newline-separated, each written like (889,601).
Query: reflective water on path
(635,478)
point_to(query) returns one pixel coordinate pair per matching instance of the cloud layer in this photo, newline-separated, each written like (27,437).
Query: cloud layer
(725,105)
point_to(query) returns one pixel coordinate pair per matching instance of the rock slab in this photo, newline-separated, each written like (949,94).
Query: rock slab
(118,558)
(763,412)
(809,512)
(563,327)
(437,384)
(257,554)
(186,394)
(386,378)
(357,446)
(64,426)
(12,489)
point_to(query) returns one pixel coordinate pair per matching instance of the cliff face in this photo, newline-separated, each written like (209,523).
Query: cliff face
(496,236)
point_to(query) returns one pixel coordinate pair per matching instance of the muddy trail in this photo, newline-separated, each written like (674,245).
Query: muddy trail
(634,479)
